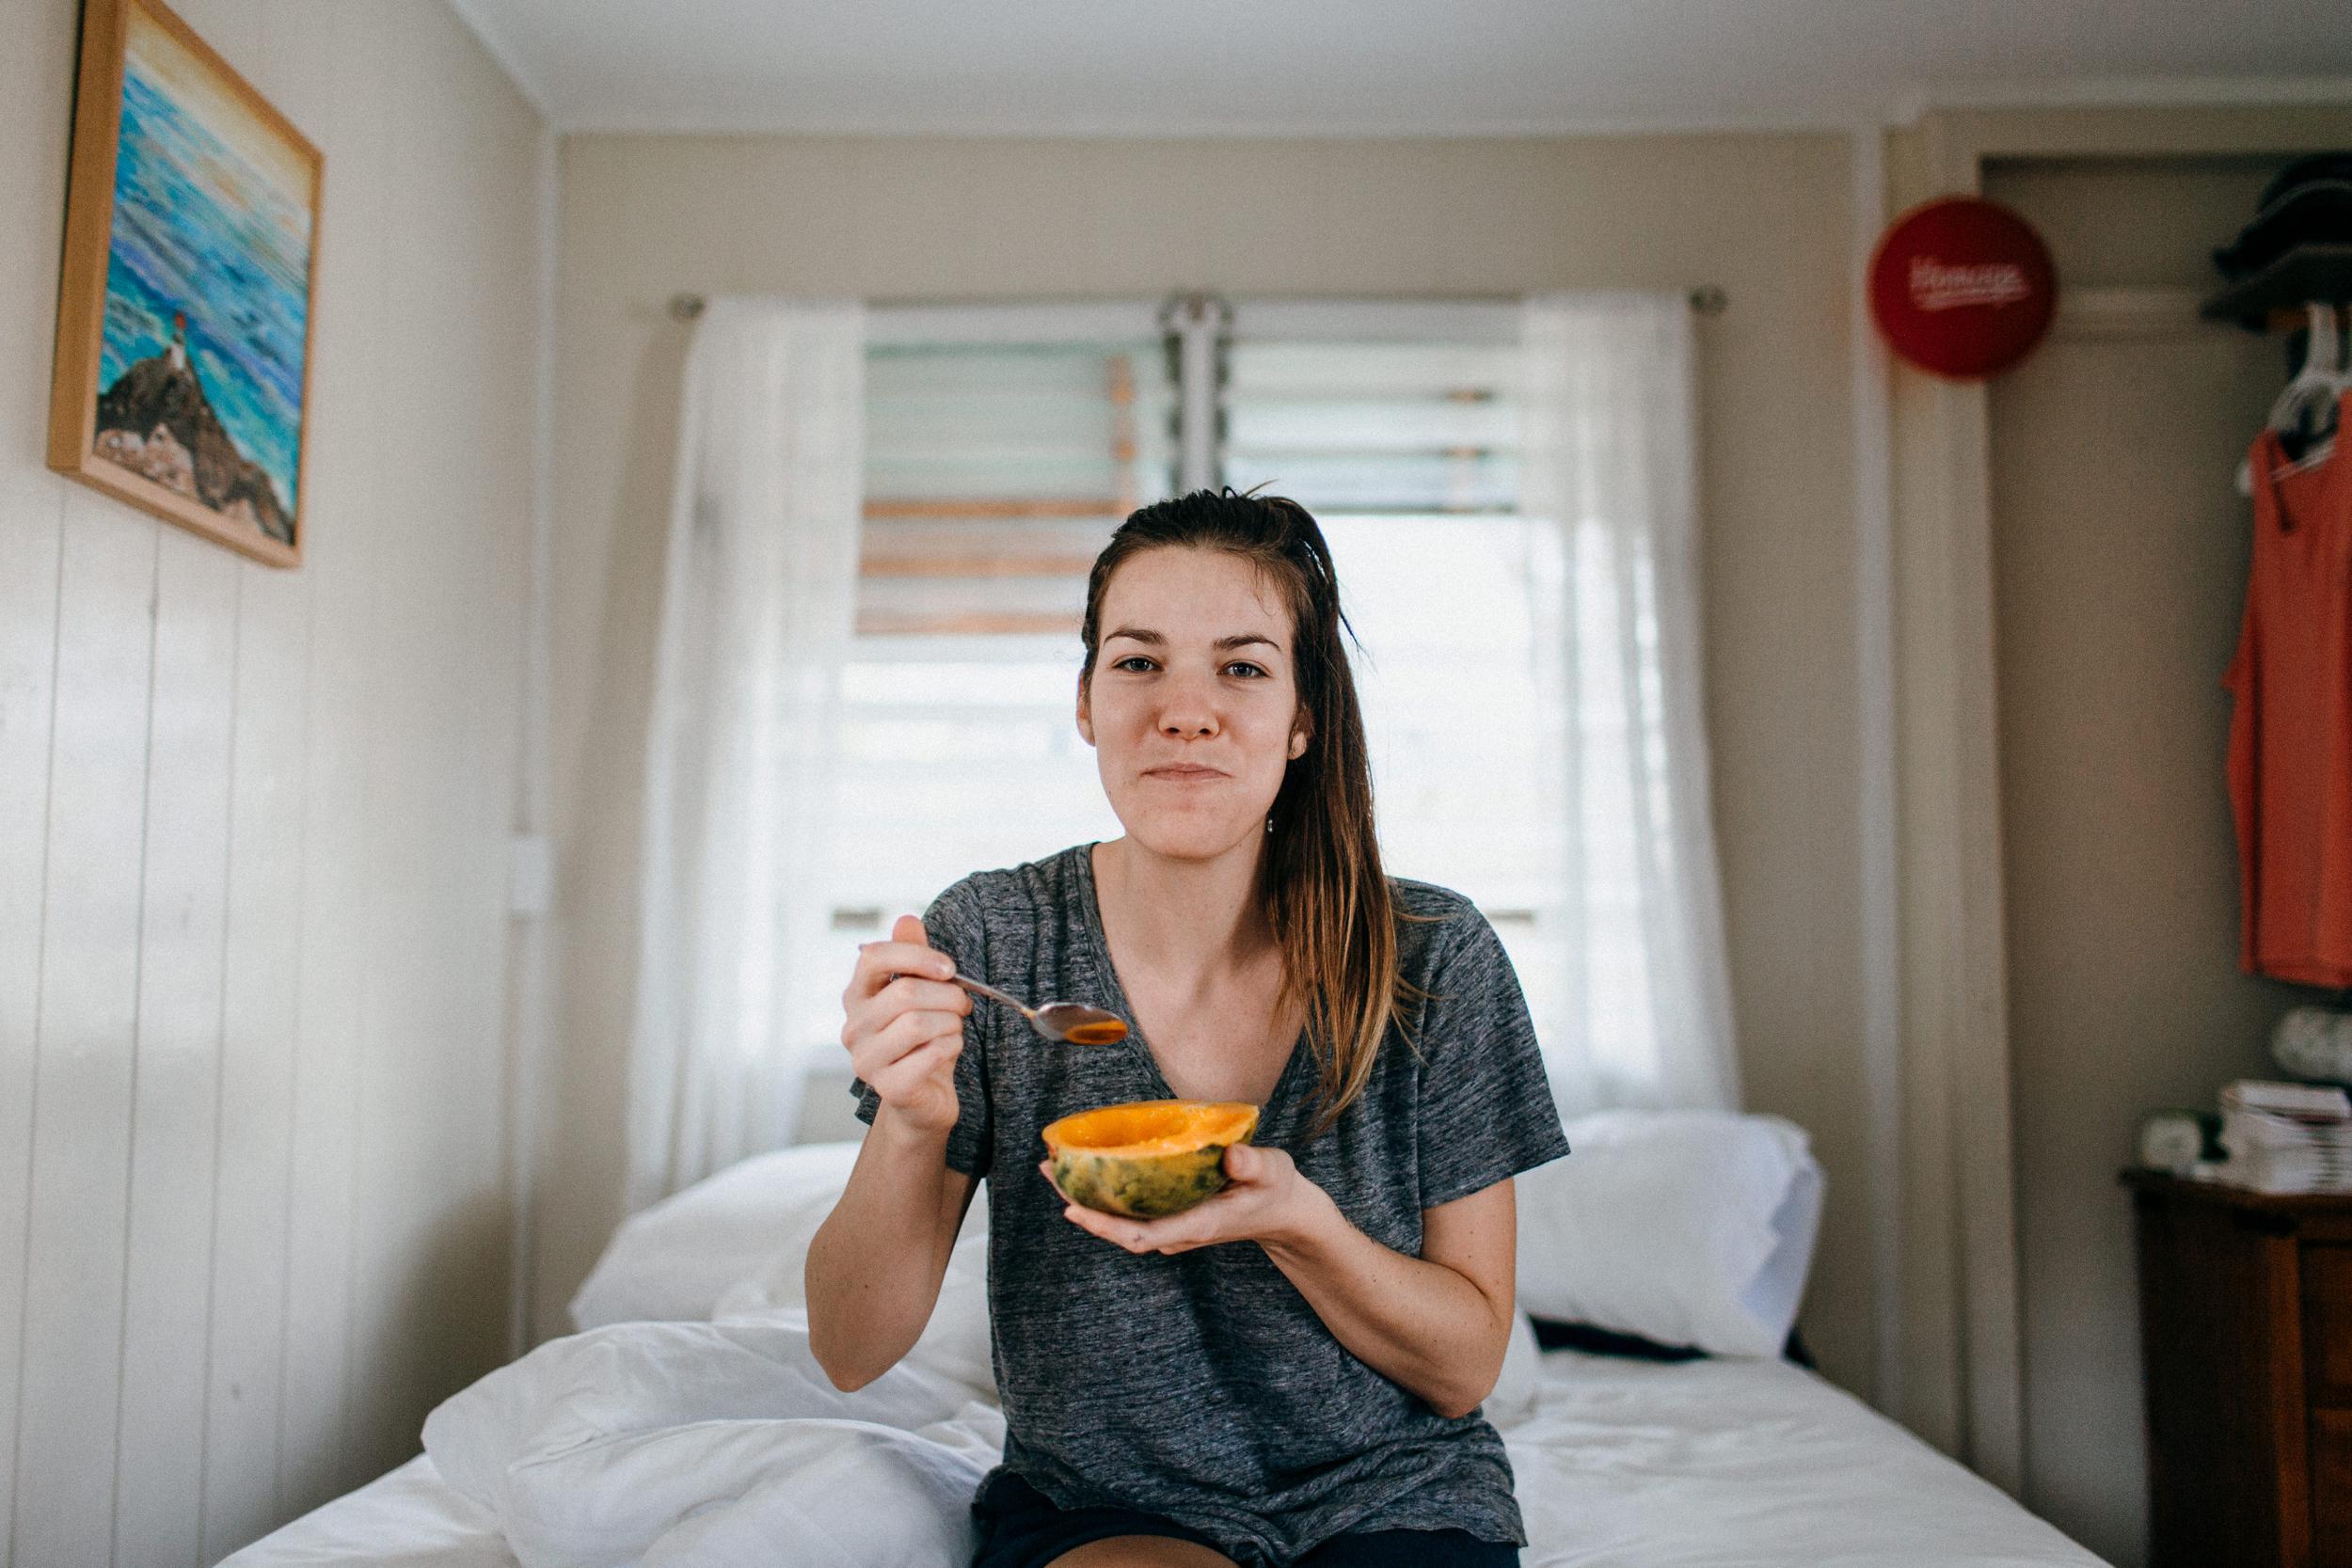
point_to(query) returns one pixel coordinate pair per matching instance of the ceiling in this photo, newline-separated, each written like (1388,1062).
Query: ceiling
(1383,67)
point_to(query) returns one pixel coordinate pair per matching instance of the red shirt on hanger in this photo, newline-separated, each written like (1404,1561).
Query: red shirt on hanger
(2291,730)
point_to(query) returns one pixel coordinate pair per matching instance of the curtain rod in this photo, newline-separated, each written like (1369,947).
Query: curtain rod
(1706,300)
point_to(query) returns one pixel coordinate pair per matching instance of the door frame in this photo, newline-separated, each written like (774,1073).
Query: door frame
(1958,1367)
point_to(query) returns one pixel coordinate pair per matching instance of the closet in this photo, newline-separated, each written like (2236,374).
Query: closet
(2120,555)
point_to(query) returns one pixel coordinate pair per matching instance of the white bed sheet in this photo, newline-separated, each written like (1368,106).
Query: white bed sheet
(404,1518)
(1621,1463)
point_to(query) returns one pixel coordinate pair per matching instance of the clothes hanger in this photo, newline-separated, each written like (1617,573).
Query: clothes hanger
(2316,389)
(2315,414)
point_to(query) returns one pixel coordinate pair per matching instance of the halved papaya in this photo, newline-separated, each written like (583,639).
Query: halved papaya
(1147,1159)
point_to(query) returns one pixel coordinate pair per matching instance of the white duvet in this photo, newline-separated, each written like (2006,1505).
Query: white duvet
(707,1444)
(660,1437)
(723,1446)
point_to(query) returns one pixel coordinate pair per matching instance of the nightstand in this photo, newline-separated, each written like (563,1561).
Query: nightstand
(2246,1361)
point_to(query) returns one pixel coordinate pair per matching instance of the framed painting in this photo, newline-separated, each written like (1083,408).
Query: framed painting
(185,303)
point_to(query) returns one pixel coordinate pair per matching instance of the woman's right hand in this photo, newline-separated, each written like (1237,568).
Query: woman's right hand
(904,1033)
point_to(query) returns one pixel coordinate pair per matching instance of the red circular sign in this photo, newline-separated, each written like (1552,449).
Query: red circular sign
(1962,287)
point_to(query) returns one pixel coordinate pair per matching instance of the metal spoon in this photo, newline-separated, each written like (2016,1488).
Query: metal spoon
(1073,1023)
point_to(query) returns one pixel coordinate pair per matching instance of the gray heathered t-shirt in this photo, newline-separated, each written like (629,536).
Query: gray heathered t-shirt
(1202,1387)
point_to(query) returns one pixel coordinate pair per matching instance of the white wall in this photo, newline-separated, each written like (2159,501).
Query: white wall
(252,833)
(1768,217)
(2122,1001)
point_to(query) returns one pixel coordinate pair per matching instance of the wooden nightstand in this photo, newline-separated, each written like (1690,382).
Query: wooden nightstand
(2245,1356)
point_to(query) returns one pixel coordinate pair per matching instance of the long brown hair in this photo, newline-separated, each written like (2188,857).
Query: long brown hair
(1330,904)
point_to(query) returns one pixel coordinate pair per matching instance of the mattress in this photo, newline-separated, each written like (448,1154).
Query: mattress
(1620,1464)
(407,1518)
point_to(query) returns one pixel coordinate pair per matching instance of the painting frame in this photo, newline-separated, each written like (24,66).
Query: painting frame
(253,462)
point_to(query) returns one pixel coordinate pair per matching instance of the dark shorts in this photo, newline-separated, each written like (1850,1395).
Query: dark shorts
(1022,1528)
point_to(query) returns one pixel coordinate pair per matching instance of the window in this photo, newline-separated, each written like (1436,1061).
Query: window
(1005,445)
(1398,427)
(1003,448)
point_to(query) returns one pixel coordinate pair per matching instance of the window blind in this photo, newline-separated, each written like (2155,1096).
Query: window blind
(1003,448)
(1370,427)
(994,472)
(1398,425)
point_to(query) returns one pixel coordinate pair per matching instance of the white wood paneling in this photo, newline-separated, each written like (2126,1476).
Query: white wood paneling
(176,1080)
(350,468)
(89,984)
(252,838)
(28,628)
(434,1071)
(34,98)
(260,980)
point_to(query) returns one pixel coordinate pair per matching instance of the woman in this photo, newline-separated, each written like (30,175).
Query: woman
(1289,1372)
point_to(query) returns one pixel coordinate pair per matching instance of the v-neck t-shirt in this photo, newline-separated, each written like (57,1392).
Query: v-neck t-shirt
(2290,756)
(1202,1387)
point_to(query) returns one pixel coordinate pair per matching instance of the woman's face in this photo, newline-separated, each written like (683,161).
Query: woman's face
(1193,707)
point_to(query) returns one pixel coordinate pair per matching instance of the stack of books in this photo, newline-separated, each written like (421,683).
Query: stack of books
(2287,1137)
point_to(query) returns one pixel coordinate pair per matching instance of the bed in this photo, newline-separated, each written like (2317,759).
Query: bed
(1622,1464)
(685,1424)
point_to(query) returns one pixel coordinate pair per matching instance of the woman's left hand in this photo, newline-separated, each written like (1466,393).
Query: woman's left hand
(1265,1200)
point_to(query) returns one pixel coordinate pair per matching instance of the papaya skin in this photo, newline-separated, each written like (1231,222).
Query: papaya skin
(1099,1161)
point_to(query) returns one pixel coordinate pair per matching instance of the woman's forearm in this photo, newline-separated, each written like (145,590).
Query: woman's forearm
(875,1265)
(1421,1325)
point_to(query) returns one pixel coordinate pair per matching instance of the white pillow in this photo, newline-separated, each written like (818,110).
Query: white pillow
(1778,1289)
(954,1342)
(1687,1227)
(672,1262)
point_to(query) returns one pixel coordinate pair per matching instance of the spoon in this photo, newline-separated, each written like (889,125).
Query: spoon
(1072,1021)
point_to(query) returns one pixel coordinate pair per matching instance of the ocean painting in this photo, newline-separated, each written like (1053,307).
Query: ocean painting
(207,299)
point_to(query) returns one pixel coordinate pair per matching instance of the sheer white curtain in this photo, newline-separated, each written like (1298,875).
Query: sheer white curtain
(756,615)
(1608,434)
